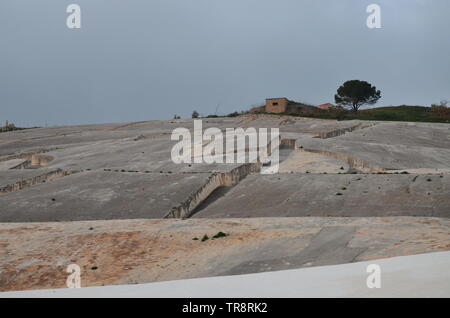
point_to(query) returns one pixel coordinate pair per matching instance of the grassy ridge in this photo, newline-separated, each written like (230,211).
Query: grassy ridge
(391,113)
(13,128)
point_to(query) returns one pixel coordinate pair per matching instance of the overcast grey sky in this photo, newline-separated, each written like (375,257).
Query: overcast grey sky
(150,59)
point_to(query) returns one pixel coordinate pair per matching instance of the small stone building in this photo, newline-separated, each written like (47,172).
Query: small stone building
(286,106)
(276,105)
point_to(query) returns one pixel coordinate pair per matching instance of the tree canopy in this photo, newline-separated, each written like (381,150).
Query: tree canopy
(356,93)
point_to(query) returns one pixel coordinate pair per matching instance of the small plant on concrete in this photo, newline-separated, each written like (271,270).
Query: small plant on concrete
(205,238)
(220,234)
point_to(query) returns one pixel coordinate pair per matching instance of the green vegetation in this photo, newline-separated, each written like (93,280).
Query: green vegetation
(220,234)
(11,127)
(5,129)
(206,237)
(233,114)
(355,94)
(438,114)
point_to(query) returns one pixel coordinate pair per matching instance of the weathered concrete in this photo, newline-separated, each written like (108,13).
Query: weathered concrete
(329,246)
(6,165)
(35,255)
(124,171)
(335,195)
(424,275)
(392,145)
(143,150)
(100,195)
(306,162)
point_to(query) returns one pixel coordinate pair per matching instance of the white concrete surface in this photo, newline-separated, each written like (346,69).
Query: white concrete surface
(425,275)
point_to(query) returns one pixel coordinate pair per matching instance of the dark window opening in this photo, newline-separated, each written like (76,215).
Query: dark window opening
(275,104)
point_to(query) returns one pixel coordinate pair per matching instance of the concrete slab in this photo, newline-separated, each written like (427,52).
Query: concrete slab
(329,246)
(124,171)
(9,164)
(144,148)
(36,255)
(334,195)
(392,145)
(100,195)
(423,275)
(306,162)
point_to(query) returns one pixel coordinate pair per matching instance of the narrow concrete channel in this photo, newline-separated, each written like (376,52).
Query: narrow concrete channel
(187,208)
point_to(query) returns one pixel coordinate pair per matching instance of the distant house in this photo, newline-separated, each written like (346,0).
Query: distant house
(326,106)
(283,105)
